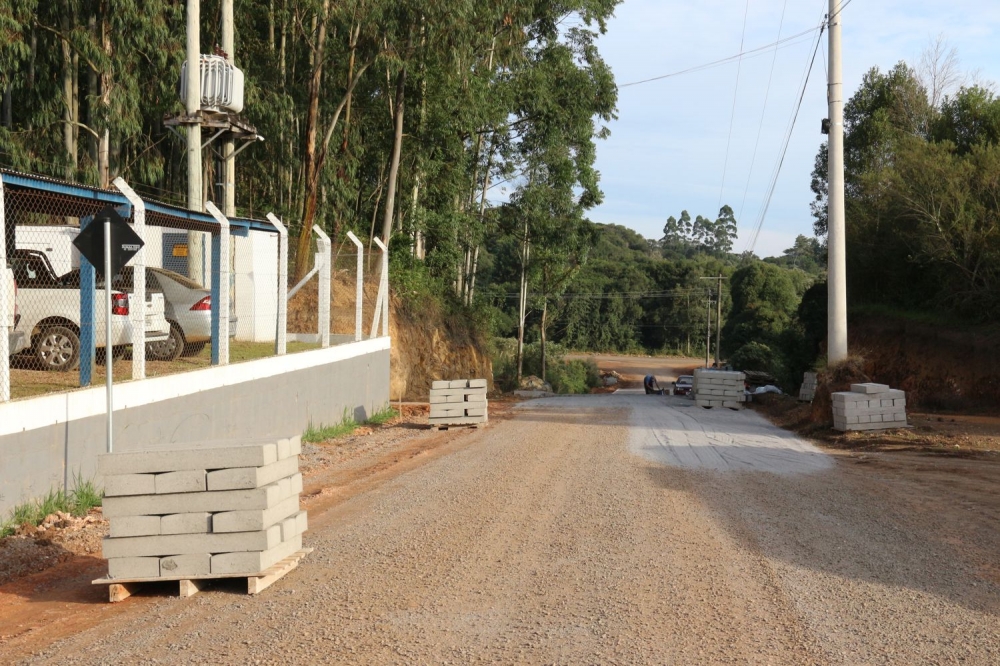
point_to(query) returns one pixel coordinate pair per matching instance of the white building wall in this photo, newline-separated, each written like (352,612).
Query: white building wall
(256,277)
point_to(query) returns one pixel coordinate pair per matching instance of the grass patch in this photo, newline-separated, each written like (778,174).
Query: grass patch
(382,416)
(347,426)
(317,434)
(78,502)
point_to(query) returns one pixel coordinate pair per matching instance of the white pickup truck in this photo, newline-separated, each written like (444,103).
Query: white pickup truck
(15,337)
(49,311)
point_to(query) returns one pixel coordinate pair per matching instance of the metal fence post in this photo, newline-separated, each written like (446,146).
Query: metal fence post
(323,294)
(281,333)
(5,307)
(88,337)
(382,300)
(137,313)
(360,277)
(220,287)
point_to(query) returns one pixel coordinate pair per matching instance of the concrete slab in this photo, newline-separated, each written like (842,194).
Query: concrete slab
(226,500)
(129,526)
(121,485)
(187,481)
(195,564)
(248,521)
(134,567)
(239,478)
(178,457)
(186,523)
(190,544)
(254,562)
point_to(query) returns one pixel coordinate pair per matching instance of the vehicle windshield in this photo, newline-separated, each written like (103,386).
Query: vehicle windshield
(685,379)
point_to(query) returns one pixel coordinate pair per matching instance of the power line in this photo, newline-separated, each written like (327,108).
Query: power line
(752,241)
(763,112)
(723,61)
(732,115)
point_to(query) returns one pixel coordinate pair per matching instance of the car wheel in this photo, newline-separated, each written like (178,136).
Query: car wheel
(193,348)
(118,352)
(57,348)
(169,349)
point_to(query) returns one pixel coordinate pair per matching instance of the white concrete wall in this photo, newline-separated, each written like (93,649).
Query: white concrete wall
(46,441)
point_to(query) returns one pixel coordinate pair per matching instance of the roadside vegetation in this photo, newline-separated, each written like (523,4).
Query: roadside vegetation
(78,502)
(347,426)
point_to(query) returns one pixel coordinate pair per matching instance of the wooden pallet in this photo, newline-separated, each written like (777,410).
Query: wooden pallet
(119,588)
(446,426)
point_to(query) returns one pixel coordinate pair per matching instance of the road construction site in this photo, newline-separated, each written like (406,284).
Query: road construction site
(611,528)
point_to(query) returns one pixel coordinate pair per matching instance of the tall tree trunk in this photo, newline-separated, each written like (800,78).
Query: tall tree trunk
(311,176)
(522,305)
(93,90)
(545,311)
(69,118)
(104,148)
(397,146)
(8,107)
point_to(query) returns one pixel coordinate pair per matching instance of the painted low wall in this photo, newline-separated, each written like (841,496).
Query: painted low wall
(47,441)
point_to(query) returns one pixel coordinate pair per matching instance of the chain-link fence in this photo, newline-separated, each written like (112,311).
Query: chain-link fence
(168,302)
(354,271)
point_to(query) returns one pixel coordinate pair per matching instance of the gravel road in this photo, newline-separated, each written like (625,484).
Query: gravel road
(600,529)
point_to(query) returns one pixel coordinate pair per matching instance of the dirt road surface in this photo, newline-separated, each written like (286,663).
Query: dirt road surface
(619,528)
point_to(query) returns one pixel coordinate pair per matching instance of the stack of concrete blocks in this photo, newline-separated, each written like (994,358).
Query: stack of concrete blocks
(458,402)
(869,407)
(201,510)
(808,389)
(719,388)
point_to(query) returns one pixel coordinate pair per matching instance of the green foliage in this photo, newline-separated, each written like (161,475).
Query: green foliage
(321,433)
(764,299)
(382,416)
(759,357)
(574,376)
(78,502)
(922,193)
(685,238)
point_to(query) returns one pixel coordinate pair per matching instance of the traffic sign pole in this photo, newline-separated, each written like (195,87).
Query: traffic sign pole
(107,329)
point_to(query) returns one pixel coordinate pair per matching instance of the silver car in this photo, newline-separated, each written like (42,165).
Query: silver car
(189,311)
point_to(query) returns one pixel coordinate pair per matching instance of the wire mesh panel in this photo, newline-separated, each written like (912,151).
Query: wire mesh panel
(59,340)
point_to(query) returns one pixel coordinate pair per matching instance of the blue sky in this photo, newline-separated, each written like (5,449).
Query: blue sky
(668,147)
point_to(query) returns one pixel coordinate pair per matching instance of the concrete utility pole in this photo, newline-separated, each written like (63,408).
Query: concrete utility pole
(229,168)
(192,103)
(708,330)
(836,252)
(718,319)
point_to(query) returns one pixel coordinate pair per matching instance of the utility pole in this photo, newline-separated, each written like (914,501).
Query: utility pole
(718,319)
(708,329)
(836,251)
(229,159)
(192,103)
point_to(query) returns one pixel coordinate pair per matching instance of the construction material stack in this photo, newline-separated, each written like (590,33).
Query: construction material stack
(808,389)
(213,508)
(719,388)
(458,402)
(869,407)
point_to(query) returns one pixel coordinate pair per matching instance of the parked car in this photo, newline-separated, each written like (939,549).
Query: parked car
(684,385)
(15,337)
(50,313)
(189,312)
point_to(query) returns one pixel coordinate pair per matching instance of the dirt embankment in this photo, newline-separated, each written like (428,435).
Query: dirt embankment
(939,368)
(427,343)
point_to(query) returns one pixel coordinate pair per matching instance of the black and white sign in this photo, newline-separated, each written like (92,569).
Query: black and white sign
(125,243)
